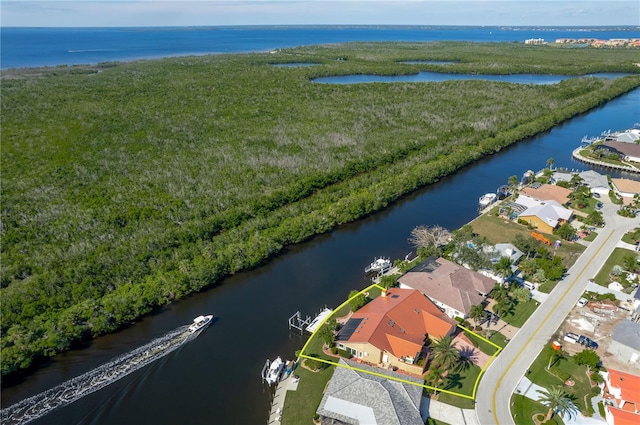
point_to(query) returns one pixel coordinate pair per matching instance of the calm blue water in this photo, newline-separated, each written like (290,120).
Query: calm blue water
(424,76)
(29,47)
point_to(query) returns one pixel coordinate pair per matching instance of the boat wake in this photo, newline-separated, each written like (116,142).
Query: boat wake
(39,405)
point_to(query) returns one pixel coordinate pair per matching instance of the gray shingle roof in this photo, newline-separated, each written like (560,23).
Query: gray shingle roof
(628,333)
(352,396)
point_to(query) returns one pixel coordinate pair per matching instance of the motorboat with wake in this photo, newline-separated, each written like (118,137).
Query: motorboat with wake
(200,322)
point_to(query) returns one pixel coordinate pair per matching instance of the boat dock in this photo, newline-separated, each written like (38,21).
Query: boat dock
(290,383)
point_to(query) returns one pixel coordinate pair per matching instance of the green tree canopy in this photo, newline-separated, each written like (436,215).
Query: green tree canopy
(356,300)
(588,358)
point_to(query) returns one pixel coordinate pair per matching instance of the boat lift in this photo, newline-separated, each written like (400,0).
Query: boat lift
(297,322)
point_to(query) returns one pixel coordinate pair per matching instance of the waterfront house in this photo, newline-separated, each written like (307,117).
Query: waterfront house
(548,192)
(362,397)
(391,330)
(625,187)
(625,151)
(545,215)
(450,286)
(622,397)
(597,182)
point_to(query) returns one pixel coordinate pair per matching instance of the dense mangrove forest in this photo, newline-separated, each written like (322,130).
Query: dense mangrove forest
(127,186)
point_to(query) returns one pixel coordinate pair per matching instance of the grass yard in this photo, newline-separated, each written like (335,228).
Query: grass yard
(496,338)
(460,383)
(499,230)
(521,313)
(524,408)
(566,366)
(632,237)
(496,229)
(616,258)
(300,406)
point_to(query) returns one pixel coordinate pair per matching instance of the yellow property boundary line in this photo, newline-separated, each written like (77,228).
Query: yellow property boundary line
(475,386)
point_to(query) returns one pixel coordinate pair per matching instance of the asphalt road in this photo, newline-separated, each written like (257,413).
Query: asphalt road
(502,376)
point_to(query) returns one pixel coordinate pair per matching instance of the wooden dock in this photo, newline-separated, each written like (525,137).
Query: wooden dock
(290,383)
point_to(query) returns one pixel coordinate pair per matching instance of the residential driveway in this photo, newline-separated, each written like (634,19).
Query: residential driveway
(504,373)
(447,413)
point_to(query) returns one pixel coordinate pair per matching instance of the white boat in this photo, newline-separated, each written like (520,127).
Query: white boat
(379,265)
(200,322)
(320,318)
(486,200)
(275,371)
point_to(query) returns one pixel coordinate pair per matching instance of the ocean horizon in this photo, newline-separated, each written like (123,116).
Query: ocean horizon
(23,47)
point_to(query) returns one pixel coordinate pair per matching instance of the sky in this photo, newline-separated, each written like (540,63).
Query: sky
(98,13)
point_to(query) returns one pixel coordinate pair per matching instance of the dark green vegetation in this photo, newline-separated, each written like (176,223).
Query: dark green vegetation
(129,188)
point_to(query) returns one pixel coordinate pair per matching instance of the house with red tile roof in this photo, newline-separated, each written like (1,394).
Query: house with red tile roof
(450,286)
(391,330)
(622,397)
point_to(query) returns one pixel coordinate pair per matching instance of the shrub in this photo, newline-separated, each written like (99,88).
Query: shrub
(601,409)
(334,349)
(344,353)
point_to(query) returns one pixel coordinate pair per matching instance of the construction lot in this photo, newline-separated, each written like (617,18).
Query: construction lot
(598,324)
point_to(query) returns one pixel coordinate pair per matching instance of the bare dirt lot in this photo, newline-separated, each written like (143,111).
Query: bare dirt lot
(599,327)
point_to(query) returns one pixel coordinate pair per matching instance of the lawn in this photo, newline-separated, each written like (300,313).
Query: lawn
(564,366)
(523,408)
(632,237)
(616,258)
(460,383)
(485,347)
(521,313)
(300,406)
(499,230)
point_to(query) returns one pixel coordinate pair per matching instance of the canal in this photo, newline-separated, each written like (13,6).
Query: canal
(216,377)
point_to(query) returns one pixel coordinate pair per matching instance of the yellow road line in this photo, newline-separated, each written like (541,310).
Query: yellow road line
(495,391)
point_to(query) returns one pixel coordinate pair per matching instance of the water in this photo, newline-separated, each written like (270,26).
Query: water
(216,377)
(424,76)
(43,403)
(29,47)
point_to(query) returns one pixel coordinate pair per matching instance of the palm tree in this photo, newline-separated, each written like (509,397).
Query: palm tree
(558,401)
(477,313)
(434,377)
(550,163)
(444,353)
(503,267)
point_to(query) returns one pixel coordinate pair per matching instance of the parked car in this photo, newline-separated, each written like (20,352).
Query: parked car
(581,339)
(596,195)
(571,337)
(591,344)
(582,302)
(530,286)
(599,205)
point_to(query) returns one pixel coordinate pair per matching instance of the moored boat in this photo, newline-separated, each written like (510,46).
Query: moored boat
(486,200)
(274,372)
(200,322)
(379,265)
